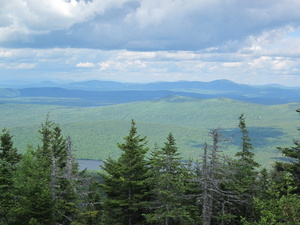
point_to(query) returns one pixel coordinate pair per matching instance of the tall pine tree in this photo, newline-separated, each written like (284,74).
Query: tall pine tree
(124,181)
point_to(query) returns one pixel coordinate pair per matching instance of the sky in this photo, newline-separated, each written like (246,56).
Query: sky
(252,42)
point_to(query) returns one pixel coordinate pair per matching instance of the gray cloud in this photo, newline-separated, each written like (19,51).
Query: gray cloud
(249,41)
(142,24)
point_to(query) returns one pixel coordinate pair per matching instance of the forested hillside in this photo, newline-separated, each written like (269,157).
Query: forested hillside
(94,130)
(147,185)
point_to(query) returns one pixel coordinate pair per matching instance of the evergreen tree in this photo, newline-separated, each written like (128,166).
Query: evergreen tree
(167,180)
(293,166)
(245,177)
(35,202)
(59,177)
(54,145)
(64,177)
(124,181)
(280,207)
(68,181)
(9,159)
(245,155)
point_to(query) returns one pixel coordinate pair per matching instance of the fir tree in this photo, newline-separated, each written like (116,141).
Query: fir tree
(168,176)
(245,176)
(9,159)
(245,155)
(35,202)
(59,177)
(293,165)
(280,207)
(124,181)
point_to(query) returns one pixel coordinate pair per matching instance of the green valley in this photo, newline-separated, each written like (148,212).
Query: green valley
(96,130)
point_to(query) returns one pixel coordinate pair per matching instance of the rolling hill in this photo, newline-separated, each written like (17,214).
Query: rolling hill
(101,93)
(95,131)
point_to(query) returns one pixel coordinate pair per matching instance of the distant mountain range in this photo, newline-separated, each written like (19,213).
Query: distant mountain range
(97,93)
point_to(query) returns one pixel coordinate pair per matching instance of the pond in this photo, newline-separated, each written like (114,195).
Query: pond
(89,164)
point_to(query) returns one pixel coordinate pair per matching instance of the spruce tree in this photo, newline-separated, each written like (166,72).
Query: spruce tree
(124,181)
(245,155)
(35,202)
(245,176)
(292,166)
(168,181)
(54,165)
(64,179)
(9,159)
(280,207)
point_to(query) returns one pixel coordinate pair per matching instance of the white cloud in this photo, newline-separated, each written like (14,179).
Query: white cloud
(122,65)
(22,18)
(253,42)
(85,65)
(19,66)
(5,53)
(252,67)
(136,55)
(232,64)
(144,24)
(281,63)
(25,66)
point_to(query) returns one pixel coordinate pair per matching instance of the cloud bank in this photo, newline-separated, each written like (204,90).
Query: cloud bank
(142,24)
(249,41)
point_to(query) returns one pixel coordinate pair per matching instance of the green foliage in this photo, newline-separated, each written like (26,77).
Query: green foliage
(245,154)
(188,119)
(35,203)
(245,176)
(124,181)
(48,180)
(278,208)
(45,187)
(293,165)
(168,181)
(7,152)
(9,159)
(93,213)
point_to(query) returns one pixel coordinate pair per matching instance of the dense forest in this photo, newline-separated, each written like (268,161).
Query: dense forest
(147,186)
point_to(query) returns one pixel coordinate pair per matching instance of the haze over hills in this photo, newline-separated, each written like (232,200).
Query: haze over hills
(99,93)
(97,114)
(98,85)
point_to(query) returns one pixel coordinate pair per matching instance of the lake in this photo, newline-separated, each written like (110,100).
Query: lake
(89,164)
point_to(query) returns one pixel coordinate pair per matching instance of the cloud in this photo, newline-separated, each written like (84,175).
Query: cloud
(5,53)
(20,66)
(142,24)
(133,66)
(127,65)
(246,41)
(85,65)
(22,19)
(232,64)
